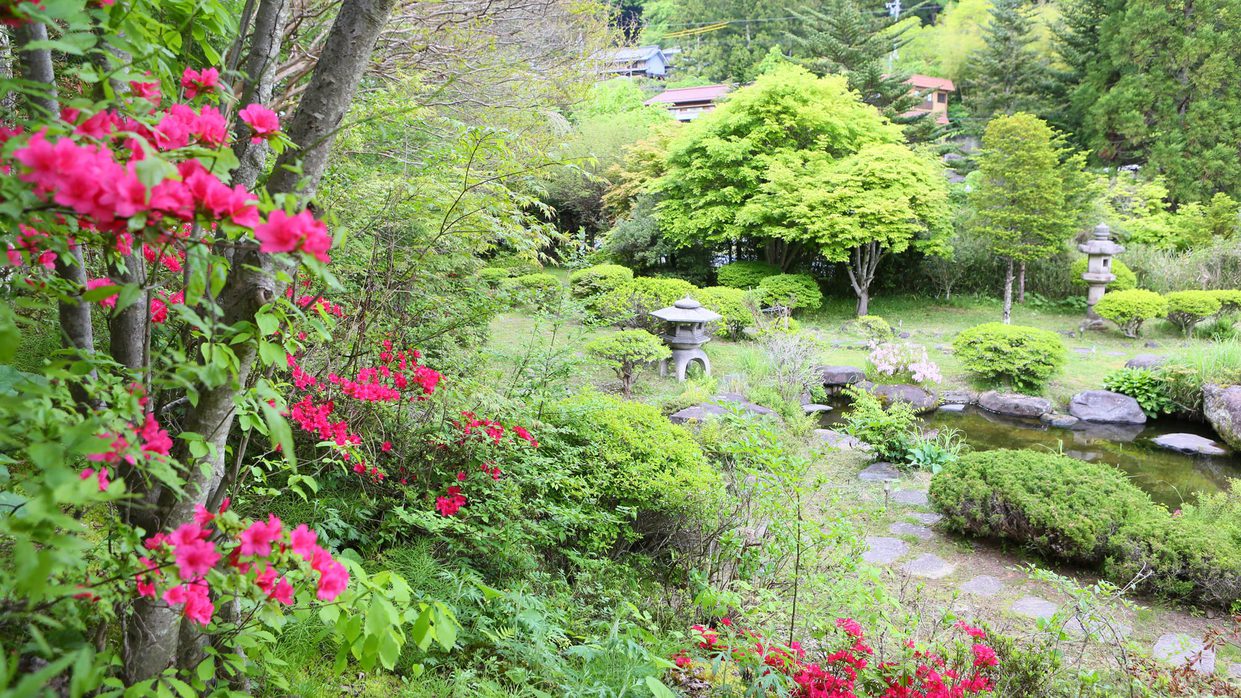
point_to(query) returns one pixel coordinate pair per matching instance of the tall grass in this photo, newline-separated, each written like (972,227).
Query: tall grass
(1197,365)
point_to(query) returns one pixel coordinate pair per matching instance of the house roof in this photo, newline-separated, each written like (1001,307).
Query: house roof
(678,95)
(632,54)
(926,82)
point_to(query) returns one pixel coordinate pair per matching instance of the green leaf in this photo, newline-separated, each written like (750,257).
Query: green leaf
(280,432)
(10,335)
(267,321)
(658,689)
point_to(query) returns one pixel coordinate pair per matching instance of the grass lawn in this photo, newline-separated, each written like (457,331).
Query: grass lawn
(930,322)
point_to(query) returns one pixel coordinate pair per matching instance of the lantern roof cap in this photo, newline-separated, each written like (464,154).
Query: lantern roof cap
(686,310)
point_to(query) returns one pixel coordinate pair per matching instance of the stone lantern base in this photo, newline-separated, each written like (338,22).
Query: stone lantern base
(682,358)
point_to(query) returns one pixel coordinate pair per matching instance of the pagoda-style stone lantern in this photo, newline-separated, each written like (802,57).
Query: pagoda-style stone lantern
(685,334)
(1099,251)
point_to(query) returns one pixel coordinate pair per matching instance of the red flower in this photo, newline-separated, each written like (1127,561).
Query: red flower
(285,233)
(196,83)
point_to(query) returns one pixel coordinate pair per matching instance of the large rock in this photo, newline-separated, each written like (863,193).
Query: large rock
(1106,407)
(839,376)
(841,441)
(958,397)
(921,400)
(1221,405)
(1146,361)
(698,413)
(1191,444)
(1014,404)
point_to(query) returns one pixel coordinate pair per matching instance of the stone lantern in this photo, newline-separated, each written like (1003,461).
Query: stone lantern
(1099,251)
(685,334)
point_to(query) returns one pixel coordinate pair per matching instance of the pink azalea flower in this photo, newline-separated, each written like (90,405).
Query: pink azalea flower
(261,120)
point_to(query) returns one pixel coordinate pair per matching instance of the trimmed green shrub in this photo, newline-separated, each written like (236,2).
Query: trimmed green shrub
(630,304)
(1188,308)
(872,327)
(1089,513)
(517,265)
(1144,385)
(493,276)
(744,274)
(731,304)
(539,290)
(627,454)
(794,291)
(1054,504)
(1125,278)
(626,352)
(1229,299)
(1025,358)
(1129,309)
(599,279)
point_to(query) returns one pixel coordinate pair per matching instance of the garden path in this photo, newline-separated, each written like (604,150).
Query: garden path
(984,582)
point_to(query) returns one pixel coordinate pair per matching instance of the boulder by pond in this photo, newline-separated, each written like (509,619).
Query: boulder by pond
(1146,361)
(1014,404)
(958,397)
(1190,443)
(1062,421)
(837,377)
(1106,407)
(921,400)
(1221,405)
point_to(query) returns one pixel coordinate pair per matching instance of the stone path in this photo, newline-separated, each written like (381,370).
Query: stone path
(1178,648)
(961,572)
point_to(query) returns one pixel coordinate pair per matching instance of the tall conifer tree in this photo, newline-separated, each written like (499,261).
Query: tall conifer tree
(1007,75)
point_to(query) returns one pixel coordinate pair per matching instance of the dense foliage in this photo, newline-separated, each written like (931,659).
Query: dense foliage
(1188,308)
(627,352)
(745,275)
(793,291)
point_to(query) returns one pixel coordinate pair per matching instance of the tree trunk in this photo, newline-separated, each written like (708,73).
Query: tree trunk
(1008,293)
(152,645)
(863,261)
(1021,283)
(35,66)
(260,71)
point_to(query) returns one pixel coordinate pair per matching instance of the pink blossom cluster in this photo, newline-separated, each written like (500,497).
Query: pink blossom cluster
(31,242)
(258,549)
(262,121)
(909,361)
(196,82)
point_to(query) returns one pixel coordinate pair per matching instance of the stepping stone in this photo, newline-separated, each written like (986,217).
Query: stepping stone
(928,518)
(1234,670)
(908,529)
(1191,444)
(983,585)
(929,566)
(884,551)
(1034,607)
(879,472)
(815,408)
(844,442)
(1177,648)
(952,408)
(915,498)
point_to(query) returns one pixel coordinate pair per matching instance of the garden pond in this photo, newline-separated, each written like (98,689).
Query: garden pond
(1170,478)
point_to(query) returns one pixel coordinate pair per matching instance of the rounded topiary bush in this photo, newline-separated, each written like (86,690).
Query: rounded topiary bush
(1126,279)
(1025,358)
(631,303)
(539,290)
(1129,309)
(626,352)
(1188,308)
(745,274)
(493,276)
(599,279)
(1054,504)
(731,304)
(795,291)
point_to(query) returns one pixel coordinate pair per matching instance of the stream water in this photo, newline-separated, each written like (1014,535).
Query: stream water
(1170,478)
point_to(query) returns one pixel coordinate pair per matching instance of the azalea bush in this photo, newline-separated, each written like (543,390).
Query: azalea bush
(842,665)
(902,363)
